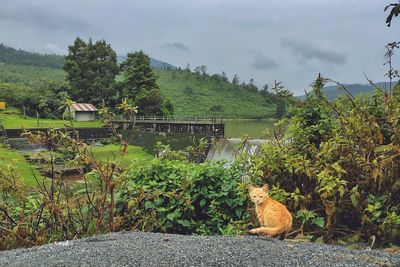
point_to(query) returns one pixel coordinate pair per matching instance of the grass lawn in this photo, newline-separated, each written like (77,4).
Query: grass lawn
(111,152)
(15,159)
(11,118)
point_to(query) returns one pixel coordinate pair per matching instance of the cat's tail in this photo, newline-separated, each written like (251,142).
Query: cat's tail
(270,231)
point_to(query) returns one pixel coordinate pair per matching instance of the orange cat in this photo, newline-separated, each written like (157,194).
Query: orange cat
(274,218)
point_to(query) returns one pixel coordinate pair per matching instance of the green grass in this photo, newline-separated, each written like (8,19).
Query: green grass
(112,152)
(11,118)
(204,93)
(16,160)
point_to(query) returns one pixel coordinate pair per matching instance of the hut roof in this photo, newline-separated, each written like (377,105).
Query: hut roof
(83,107)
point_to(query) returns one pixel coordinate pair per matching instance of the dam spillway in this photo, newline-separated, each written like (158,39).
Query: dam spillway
(228,148)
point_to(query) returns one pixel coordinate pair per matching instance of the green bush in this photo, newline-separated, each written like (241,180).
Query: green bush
(178,197)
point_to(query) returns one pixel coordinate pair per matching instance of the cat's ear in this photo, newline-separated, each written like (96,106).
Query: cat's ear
(250,188)
(265,188)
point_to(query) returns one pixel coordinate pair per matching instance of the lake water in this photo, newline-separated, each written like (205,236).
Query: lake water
(252,128)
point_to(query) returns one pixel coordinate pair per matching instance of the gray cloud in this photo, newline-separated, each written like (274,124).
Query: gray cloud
(44,18)
(262,62)
(176,46)
(306,52)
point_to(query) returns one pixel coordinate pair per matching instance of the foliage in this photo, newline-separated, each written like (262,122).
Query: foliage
(138,74)
(42,96)
(91,69)
(177,197)
(339,161)
(394,12)
(392,73)
(128,109)
(153,103)
(140,85)
(282,96)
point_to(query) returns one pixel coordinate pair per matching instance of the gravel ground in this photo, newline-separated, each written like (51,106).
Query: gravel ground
(151,249)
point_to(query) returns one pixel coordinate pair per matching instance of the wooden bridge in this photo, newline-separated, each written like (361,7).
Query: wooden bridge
(209,127)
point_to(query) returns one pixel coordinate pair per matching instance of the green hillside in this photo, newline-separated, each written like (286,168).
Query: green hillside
(196,95)
(18,73)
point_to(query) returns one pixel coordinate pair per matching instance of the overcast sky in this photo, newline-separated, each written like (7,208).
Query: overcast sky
(290,41)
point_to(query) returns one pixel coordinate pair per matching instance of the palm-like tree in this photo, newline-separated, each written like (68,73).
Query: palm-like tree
(106,113)
(128,109)
(67,105)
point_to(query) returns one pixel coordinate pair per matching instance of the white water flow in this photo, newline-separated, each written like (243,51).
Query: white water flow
(227,148)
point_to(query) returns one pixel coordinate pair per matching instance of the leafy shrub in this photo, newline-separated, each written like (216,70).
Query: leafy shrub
(177,197)
(339,162)
(42,96)
(55,210)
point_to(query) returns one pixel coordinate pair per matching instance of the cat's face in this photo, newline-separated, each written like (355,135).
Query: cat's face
(258,195)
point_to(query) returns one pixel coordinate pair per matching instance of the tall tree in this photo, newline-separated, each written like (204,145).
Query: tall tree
(251,86)
(235,80)
(91,69)
(282,97)
(153,103)
(223,76)
(138,74)
(141,87)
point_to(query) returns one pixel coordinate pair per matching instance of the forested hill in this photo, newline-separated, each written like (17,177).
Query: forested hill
(13,56)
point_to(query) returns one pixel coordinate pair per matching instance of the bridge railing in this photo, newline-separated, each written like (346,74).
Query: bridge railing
(195,119)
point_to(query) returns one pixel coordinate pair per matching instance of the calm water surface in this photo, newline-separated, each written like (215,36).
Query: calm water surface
(252,128)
